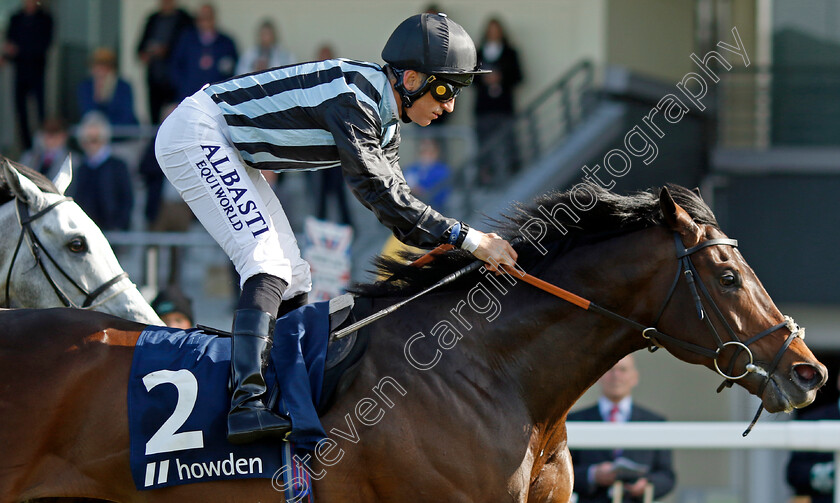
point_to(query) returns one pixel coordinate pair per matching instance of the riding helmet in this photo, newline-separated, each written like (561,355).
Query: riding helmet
(435,45)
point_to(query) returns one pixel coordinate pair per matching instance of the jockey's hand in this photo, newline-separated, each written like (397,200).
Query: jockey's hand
(493,250)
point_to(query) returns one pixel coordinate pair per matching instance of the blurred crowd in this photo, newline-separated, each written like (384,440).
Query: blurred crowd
(180,51)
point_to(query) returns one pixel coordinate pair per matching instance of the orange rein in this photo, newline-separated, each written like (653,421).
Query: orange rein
(548,287)
(531,280)
(425,259)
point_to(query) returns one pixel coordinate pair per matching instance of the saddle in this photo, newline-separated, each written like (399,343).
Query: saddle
(343,356)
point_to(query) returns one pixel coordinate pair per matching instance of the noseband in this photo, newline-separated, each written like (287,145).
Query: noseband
(38,251)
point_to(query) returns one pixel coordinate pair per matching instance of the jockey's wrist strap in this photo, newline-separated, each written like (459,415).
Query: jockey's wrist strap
(453,234)
(460,235)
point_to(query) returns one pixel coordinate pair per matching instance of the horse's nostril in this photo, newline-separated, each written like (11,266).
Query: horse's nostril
(806,372)
(807,376)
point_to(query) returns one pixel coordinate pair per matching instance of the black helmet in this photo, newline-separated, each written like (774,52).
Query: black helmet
(435,45)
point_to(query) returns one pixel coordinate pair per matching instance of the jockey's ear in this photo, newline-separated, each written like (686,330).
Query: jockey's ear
(65,175)
(678,220)
(23,188)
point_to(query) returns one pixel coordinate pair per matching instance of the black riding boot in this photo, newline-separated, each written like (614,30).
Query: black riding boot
(249,419)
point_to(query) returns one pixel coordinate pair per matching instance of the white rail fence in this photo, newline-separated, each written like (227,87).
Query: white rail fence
(788,435)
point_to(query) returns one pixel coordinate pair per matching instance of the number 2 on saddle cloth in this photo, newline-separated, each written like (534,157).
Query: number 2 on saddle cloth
(178,401)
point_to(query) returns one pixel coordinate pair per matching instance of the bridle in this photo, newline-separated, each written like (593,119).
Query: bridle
(653,335)
(687,270)
(38,251)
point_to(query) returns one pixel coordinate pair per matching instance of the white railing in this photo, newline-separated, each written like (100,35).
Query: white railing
(788,435)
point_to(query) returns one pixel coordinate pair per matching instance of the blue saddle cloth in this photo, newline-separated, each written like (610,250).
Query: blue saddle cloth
(178,402)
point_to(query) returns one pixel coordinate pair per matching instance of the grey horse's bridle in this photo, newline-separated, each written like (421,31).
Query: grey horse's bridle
(38,252)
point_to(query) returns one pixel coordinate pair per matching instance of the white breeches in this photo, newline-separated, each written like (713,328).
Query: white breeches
(231,200)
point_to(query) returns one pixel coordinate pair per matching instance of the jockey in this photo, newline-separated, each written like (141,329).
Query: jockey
(329,114)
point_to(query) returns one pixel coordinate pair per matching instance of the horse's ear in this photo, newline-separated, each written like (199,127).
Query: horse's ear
(677,219)
(23,188)
(65,175)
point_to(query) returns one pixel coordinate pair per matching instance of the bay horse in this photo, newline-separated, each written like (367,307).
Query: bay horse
(52,254)
(463,394)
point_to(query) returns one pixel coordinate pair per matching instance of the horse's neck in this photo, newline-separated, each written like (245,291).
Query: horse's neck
(557,351)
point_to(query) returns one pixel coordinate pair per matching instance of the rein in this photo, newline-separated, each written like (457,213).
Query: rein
(687,270)
(38,250)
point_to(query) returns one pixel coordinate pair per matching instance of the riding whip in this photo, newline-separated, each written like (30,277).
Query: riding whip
(338,334)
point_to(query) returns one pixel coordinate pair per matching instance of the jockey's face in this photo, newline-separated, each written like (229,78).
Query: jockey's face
(426,108)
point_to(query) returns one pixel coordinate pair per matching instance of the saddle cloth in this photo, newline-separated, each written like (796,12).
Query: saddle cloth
(178,402)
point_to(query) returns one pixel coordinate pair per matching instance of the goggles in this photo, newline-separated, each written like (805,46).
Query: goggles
(442,90)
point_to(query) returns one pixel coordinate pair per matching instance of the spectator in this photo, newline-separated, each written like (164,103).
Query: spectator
(324,52)
(105,92)
(268,53)
(812,473)
(596,471)
(202,55)
(51,148)
(428,177)
(494,108)
(164,210)
(102,184)
(28,38)
(174,308)
(162,30)
(332,188)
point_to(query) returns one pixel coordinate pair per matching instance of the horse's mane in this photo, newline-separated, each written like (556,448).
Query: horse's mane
(37,178)
(612,215)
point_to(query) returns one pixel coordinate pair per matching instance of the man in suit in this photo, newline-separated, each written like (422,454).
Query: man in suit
(812,473)
(597,470)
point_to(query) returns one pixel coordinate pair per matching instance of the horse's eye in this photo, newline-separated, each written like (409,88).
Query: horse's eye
(77,245)
(728,279)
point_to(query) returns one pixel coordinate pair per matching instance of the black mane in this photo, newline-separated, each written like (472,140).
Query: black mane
(611,215)
(37,178)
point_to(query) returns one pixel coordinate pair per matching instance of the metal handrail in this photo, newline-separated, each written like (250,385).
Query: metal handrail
(544,123)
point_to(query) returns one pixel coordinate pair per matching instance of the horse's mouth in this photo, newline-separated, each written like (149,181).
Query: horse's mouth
(782,394)
(781,401)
